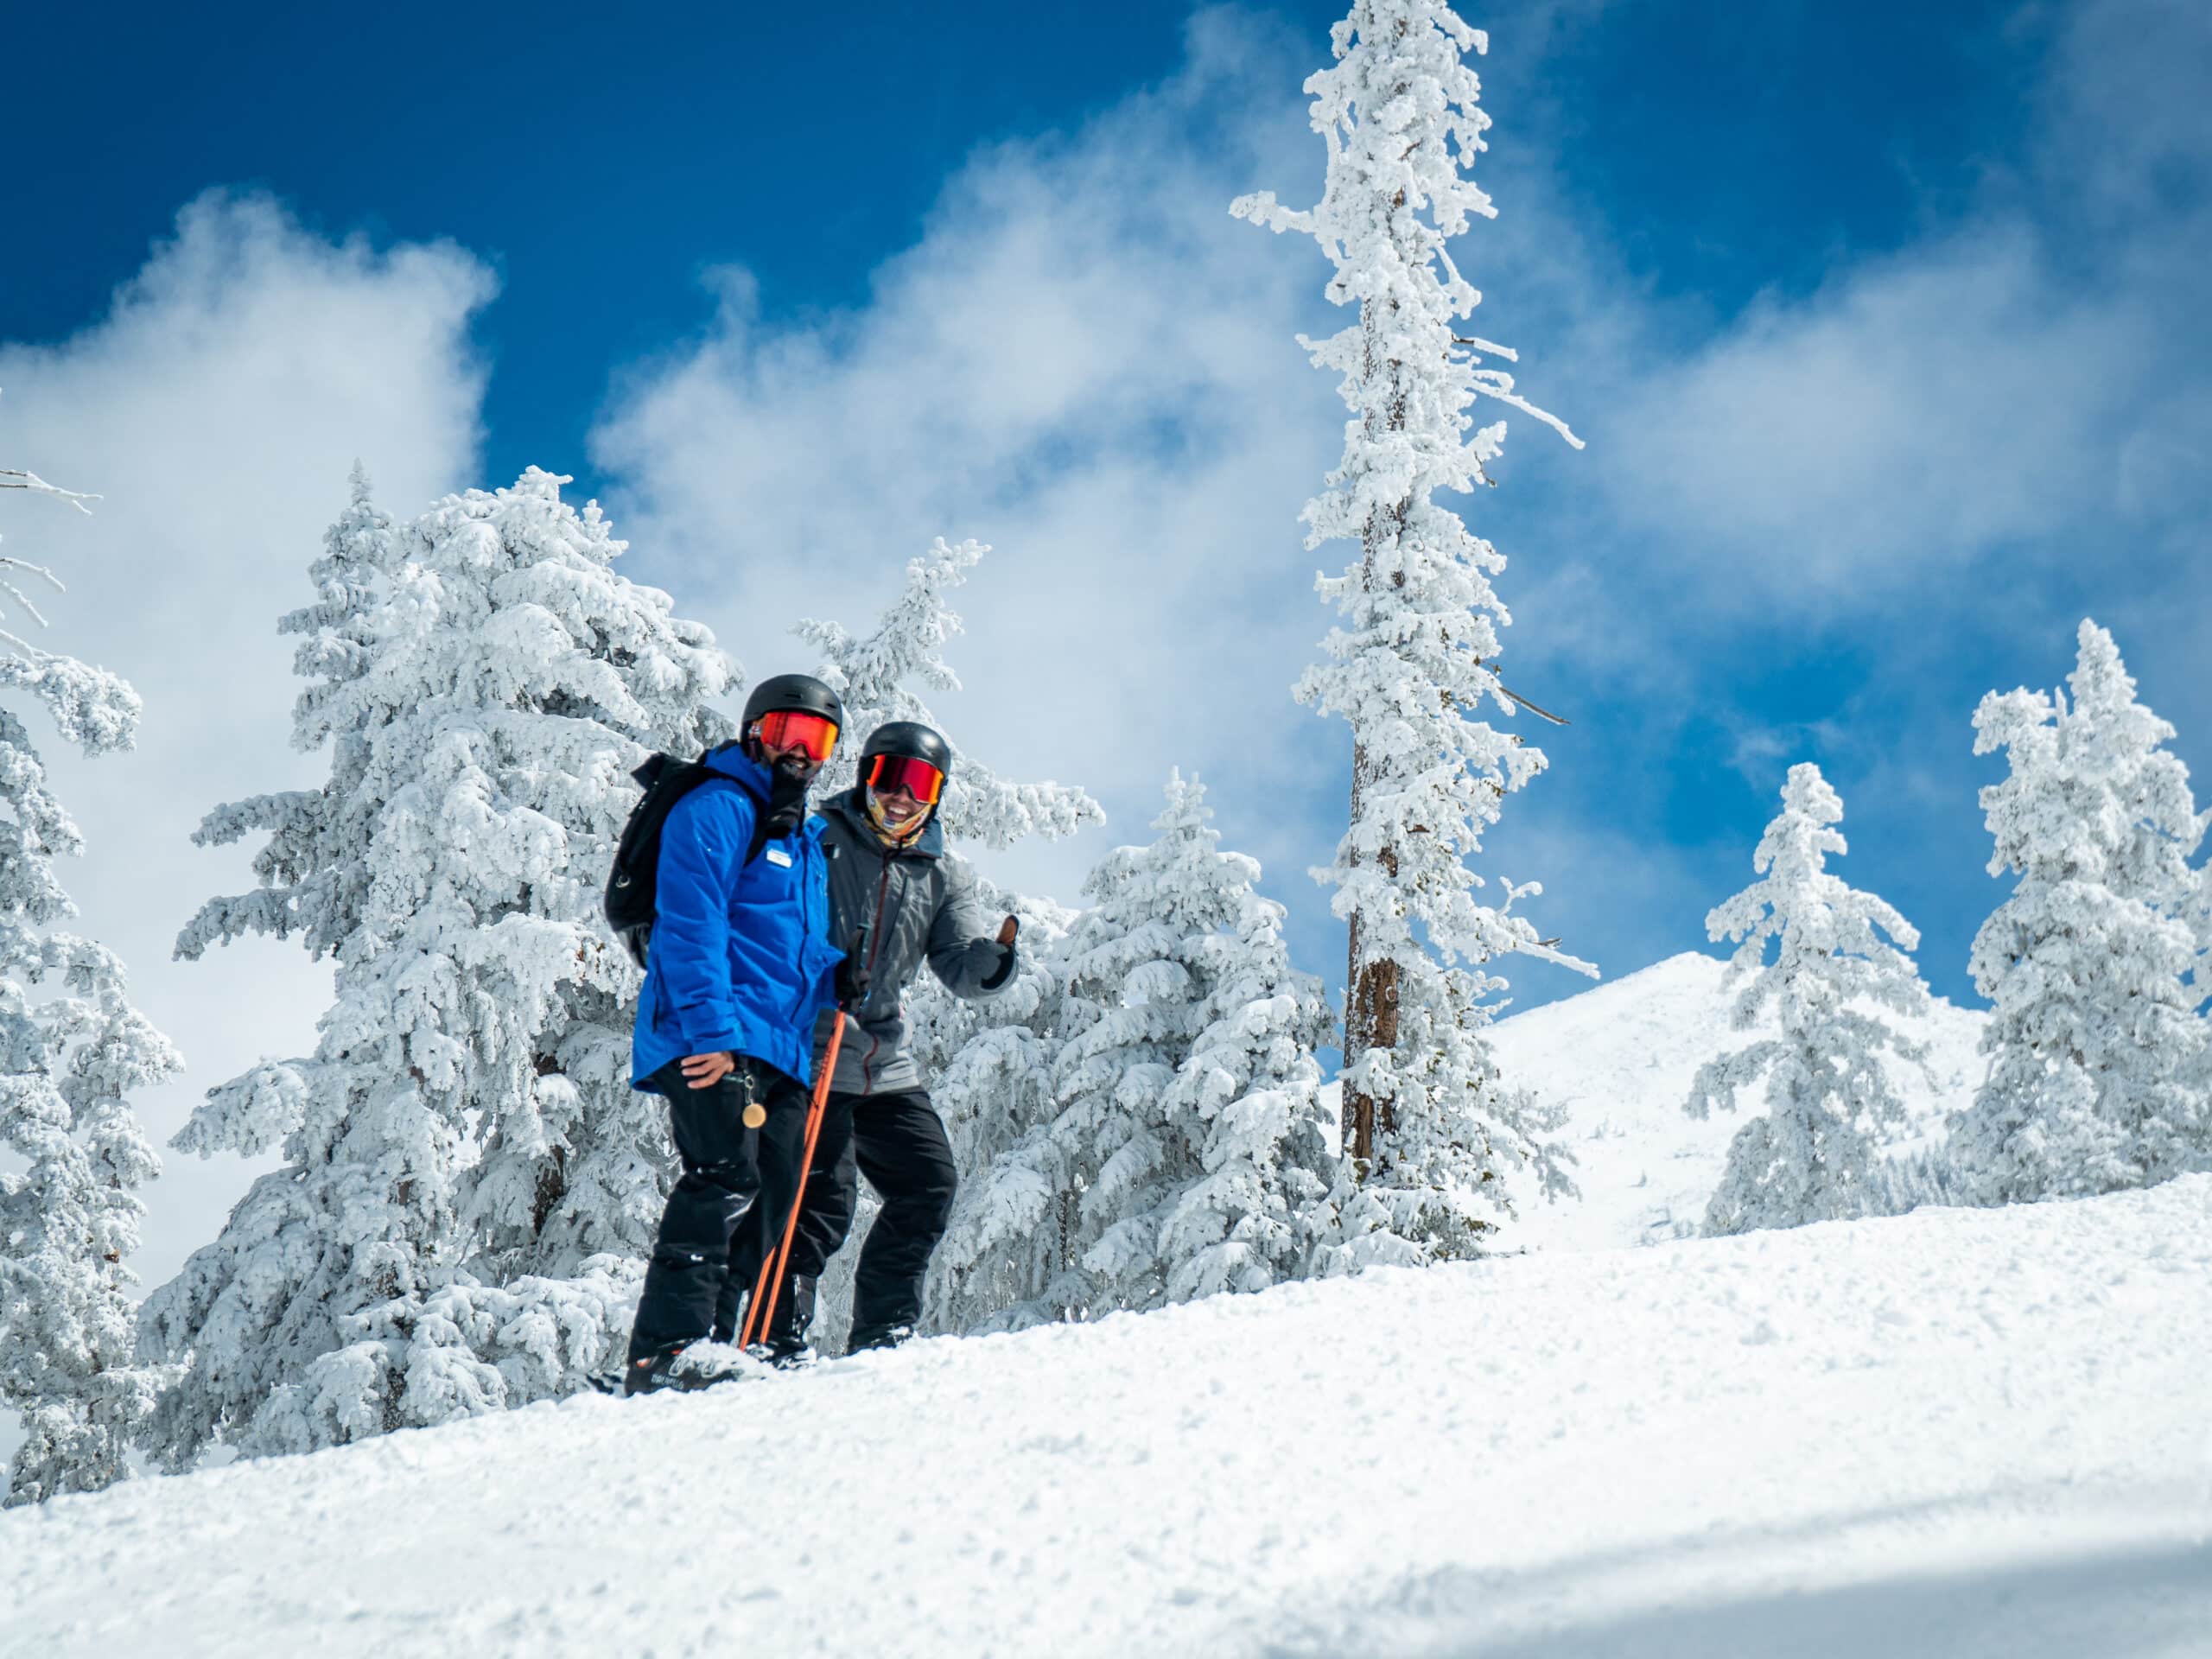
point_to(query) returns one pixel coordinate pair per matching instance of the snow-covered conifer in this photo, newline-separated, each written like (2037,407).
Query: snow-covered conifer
(993,1085)
(1812,1156)
(2094,965)
(1186,1152)
(468,1180)
(75,1048)
(1426,1122)
(876,676)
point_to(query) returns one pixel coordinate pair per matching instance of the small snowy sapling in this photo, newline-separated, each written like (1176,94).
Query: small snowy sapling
(1812,1156)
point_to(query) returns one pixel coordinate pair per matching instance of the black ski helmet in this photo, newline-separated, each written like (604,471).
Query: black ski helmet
(799,693)
(909,740)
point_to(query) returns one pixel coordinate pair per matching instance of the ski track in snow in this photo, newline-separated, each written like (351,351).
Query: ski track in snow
(1953,1432)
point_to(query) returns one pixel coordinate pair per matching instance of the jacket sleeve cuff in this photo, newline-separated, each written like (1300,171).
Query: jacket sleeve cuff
(725,1041)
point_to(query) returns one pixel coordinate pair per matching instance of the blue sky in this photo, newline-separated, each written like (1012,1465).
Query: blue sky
(1882,323)
(598,167)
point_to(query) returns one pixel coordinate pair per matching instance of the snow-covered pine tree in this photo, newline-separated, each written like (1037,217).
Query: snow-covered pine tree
(468,1180)
(876,676)
(1186,1152)
(982,1095)
(2095,964)
(1425,1121)
(75,1048)
(1812,1156)
(994,1090)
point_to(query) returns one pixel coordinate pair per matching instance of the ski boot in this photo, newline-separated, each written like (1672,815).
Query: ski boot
(785,1346)
(688,1366)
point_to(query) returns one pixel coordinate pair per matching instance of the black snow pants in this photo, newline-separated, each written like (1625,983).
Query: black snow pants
(732,1176)
(898,1142)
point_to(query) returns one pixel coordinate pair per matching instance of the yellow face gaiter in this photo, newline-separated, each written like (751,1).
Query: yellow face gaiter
(885,833)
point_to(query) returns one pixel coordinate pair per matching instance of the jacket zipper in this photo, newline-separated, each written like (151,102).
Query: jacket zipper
(874,947)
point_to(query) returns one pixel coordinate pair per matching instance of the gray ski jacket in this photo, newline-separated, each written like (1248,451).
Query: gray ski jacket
(917,902)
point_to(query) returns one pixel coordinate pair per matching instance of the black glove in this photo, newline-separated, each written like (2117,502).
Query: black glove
(853,972)
(852,983)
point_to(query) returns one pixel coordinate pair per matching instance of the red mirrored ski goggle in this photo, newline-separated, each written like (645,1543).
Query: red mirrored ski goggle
(789,728)
(918,778)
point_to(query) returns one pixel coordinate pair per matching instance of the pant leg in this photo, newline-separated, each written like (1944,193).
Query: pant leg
(780,1141)
(832,1191)
(720,1182)
(823,1219)
(899,1144)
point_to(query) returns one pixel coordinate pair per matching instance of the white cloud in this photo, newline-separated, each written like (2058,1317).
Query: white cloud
(217,408)
(1895,428)
(1085,362)
(1988,395)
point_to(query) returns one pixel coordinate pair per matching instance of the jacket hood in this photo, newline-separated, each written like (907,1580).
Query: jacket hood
(849,807)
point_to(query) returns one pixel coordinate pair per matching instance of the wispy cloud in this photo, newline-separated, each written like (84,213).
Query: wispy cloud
(1892,487)
(218,407)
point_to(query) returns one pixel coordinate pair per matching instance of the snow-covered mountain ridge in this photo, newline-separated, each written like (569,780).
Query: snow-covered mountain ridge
(1957,1432)
(1620,1058)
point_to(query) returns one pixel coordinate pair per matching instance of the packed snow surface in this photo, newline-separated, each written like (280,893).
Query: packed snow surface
(1952,1432)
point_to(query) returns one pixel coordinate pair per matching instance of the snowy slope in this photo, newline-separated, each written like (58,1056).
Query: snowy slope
(1953,1432)
(1620,1059)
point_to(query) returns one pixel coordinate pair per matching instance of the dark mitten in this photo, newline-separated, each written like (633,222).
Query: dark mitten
(850,983)
(852,973)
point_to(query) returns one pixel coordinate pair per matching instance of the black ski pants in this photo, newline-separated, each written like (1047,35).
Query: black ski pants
(898,1142)
(731,1175)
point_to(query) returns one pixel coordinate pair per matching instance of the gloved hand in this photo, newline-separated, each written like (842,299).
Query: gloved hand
(852,979)
(1004,971)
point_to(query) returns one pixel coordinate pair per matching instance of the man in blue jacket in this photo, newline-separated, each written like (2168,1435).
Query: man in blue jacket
(739,966)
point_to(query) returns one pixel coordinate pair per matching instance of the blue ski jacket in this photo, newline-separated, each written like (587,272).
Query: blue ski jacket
(740,959)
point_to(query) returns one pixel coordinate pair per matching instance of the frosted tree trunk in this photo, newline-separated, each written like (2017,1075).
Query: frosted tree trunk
(1410,667)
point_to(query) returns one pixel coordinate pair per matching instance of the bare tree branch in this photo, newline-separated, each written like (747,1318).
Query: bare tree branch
(13,478)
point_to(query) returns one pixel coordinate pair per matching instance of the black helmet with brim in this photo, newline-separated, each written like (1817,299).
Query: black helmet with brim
(910,740)
(797,693)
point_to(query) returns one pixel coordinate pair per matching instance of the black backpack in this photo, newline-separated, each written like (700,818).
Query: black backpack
(631,888)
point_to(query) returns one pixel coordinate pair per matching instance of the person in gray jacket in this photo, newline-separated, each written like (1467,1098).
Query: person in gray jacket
(898,897)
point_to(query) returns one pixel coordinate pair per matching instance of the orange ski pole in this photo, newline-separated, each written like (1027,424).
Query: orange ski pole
(761,1309)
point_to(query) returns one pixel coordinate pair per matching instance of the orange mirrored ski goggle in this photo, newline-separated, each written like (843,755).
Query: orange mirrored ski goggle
(918,778)
(789,728)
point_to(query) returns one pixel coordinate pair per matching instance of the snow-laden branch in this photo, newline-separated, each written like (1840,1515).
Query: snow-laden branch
(14,479)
